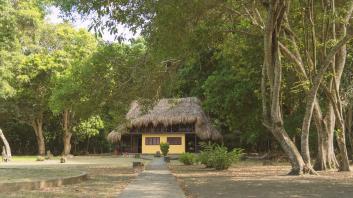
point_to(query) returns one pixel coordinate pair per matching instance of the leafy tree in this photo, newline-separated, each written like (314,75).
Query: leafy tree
(87,129)
(76,47)
(18,22)
(116,75)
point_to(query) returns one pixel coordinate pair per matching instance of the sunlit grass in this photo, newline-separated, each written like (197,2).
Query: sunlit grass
(27,158)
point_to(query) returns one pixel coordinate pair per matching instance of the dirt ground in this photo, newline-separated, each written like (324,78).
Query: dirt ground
(252,179)
(108,176)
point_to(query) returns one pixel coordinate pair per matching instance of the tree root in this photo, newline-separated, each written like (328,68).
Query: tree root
(303,171)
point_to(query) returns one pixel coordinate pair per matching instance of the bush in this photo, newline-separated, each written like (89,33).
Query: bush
(164,148)
(187,158)
(221,159)
(218,157)
(204,155)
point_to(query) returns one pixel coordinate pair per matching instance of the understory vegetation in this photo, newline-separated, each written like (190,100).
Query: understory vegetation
(187,158)
(213,156)
(164,148)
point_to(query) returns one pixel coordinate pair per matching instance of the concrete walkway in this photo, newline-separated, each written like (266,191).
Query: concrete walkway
(156,181)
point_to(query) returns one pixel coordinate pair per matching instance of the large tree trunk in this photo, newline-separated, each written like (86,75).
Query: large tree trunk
(37,125)
(340,61)
(341,141)
(7,145)
(326,158)
(349,125)
(67,132)
(272,71)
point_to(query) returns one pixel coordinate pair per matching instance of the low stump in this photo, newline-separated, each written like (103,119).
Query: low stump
(137,164)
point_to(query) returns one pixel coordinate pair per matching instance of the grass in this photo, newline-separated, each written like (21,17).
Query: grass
(28,158)
(108,175)
(8,175)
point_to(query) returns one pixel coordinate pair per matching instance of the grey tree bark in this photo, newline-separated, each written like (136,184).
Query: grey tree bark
(67,132)
(6,144)
(272,75)
(37,125)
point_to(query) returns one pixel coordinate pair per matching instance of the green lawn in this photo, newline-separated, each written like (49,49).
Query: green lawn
(32,174)
(28,158)
(108,175)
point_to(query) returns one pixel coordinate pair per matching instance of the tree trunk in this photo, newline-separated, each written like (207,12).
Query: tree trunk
(326,158)
(87,145)
(336,101)
(67,132)
(7,145)
(341,141)
(272,71)
(349,125)
(37,125)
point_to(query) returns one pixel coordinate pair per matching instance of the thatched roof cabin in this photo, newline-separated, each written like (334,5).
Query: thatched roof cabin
(168,112)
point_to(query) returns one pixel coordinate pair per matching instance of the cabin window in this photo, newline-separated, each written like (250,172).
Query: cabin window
(152,140)
(174,140)
(188,128)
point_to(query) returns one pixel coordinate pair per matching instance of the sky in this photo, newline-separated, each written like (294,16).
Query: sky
(54,17)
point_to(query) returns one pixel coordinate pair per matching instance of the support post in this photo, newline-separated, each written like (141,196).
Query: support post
(130,143)
(195,143)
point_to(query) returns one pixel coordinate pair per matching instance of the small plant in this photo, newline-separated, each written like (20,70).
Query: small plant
(221,159)
(187,158)
(164,148)
(204,156)
(218,157)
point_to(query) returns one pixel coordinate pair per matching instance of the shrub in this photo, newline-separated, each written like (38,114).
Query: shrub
(218,157)
(204,156)
(221,159)
(164,148)
(187,158)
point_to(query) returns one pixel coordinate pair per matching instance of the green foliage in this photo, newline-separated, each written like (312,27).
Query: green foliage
(118,74)
(204,156)
(187,158)
(89,128)
(221,159)
(205,56)
(75,47)
(218,156)
(164,146)
(18,24)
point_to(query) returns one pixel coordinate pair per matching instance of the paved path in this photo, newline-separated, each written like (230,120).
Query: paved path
(156,181)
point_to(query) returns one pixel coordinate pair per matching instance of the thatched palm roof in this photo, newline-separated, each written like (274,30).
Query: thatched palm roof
(115,135)
(170,112)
